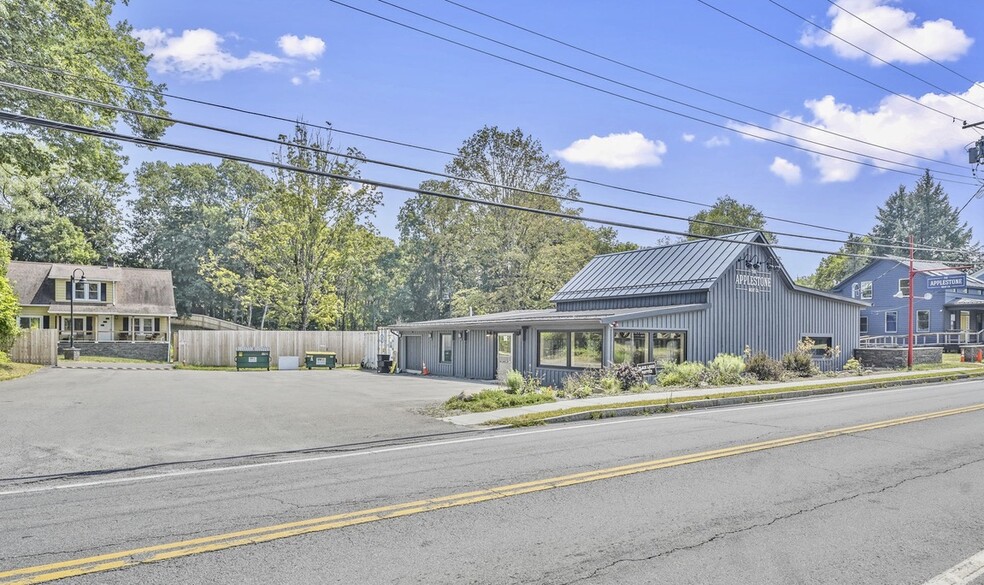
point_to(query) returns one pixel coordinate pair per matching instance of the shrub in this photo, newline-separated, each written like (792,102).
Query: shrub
(726,369)
(628,375)
(639,388)
(580,385)
(763,367)
(4,358)
(494,399)
(854,365)
(514,382)
(685,374)
(610,385)
(531,385)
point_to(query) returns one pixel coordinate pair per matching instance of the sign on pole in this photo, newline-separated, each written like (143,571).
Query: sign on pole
(949,281)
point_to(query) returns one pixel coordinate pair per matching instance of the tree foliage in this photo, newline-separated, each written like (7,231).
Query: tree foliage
(9,306)
(727,210)
(925,213)
(461,257)
(70,47)
(834,268)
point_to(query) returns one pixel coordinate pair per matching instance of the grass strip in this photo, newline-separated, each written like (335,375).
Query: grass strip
(14,370)
(493,399)
(537,418)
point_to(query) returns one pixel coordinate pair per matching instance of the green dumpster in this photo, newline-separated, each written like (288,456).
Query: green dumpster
(320,359)
(253,358)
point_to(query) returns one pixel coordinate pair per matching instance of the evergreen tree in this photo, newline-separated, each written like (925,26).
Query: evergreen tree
(925,213)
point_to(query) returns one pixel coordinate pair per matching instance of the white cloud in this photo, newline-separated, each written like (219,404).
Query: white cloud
(313,74)
(688,137)
(615,151)
(717,141)
(304,48)
(785,170)
(296,80)
(197,54)
(894,123)
(939,39)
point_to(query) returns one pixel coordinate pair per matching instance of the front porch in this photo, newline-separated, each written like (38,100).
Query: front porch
(949,340)
(114,328)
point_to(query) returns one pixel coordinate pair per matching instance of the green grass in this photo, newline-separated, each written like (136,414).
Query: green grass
(537,418)
(13,370)
(493,399)
(950,360)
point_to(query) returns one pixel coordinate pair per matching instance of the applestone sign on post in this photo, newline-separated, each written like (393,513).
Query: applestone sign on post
(949,281)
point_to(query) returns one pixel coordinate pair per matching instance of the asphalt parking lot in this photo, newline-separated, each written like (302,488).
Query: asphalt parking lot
(69,421)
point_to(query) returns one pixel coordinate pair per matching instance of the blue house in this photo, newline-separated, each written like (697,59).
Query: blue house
(950,316)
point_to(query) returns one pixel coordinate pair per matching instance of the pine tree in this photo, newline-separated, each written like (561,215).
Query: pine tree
(924,212)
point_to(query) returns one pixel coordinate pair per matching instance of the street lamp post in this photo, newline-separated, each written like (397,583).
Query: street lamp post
(71,306)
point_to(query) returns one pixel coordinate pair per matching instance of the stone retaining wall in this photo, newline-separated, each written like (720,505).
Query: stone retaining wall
(146,350)
(897,357)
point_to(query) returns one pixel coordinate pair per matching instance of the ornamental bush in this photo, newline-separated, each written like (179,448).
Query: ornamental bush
(514,382)
(764,367)
(726,369)
(686,374)
(628,375)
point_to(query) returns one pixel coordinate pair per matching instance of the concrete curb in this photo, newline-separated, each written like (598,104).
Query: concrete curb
(734,400)
(163,367)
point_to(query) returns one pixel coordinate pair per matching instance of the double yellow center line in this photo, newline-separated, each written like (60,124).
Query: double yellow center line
(162,552)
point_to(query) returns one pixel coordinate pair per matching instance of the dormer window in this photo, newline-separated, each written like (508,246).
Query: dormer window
(87,291)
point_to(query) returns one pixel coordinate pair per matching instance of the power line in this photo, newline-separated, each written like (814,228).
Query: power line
(15,118)
(873,56)
(331,128)
(644,103)
(696,89)
(911,48)
(822,60)
(364,159)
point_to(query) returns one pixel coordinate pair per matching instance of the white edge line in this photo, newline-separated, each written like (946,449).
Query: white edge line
(962,573)
(628,420)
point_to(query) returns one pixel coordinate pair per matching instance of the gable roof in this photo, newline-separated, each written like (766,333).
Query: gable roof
(930,267)
(138,291)
(688,266)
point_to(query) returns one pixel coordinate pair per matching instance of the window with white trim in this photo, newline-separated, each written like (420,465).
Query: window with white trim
(922,320)
(447,347)
(86,291)
(904,287)
(30,322)
(891,322)
(864,324)
(866,290)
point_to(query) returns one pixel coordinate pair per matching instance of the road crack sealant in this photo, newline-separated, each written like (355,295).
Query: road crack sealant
(721,535)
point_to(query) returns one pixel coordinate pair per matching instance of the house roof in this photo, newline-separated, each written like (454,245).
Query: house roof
(688,266)
(138,291)
(930,267)
(545,316)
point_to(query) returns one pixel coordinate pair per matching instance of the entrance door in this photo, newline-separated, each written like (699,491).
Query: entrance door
(504,355)
(965,320)
(105,328)
(414,354)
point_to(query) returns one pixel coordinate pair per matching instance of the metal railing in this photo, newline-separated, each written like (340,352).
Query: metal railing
(924,339)
(90,336)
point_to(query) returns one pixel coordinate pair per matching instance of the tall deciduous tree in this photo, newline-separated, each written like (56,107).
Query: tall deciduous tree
(462,257)
(181,213)
(728,211)
(925,213)
(70,47)
(309,235)
(835,268)
(8,302)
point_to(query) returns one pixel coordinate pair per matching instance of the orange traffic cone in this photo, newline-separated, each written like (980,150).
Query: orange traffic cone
(980,355)
(425,371)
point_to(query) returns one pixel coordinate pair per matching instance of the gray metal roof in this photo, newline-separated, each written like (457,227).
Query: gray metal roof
(527,317)
(687,266)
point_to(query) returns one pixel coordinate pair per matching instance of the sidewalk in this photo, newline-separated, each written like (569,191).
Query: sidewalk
(480,418)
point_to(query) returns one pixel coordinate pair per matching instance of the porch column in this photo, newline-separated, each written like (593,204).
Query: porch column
(607,343)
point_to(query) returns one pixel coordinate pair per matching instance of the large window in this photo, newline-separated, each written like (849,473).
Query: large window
(30,322)
(864,324)
(570,349)
(822,346)
(922,320)
(891,322)
(553,348)
(86,291)
(904,287)
(447,342)
(631,347)
(586,349)
(669,347)
(866,290)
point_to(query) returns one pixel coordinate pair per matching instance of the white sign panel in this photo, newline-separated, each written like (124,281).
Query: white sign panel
(753,281)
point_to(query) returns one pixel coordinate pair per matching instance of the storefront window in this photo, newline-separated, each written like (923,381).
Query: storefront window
(586,349)
(631,348)
(669,347)
(821,347)
(553,348)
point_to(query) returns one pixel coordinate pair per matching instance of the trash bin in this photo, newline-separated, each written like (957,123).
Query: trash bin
(253,358)
(320,359)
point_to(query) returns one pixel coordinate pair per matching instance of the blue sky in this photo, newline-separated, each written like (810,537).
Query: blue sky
(323,62)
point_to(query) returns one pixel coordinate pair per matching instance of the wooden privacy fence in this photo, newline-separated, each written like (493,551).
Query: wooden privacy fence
(36,346)
(218,348)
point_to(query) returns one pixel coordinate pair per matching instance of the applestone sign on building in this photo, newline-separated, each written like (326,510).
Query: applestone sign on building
(949,281)
(756,281)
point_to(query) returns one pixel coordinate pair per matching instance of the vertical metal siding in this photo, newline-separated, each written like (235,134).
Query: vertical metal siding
(662,300)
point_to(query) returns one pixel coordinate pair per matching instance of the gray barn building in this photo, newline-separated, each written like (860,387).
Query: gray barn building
(683,302)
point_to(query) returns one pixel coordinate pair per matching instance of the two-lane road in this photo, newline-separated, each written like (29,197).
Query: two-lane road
(880,487)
